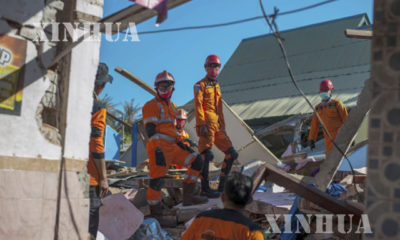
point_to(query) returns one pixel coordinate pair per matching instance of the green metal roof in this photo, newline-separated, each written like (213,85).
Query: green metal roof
(255,81)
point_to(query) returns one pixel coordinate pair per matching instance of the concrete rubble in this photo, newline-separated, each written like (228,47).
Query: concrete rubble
(268,199)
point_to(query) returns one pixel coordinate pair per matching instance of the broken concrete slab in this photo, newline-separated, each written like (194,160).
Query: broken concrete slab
(185,213)
(119,219)
(271,203)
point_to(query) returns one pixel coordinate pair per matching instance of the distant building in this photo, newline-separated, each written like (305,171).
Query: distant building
(256,84)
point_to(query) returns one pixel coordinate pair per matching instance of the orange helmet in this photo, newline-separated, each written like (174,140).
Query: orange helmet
(164,76)
(181,114)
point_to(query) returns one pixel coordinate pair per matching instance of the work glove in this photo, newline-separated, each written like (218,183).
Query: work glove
(203,130)
(191,143)
(185,147)
(311,144)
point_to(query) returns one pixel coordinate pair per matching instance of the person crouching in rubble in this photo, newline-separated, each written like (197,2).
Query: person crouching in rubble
(164,148)
(96,164)
(331,111)
(183,136)
(229,222)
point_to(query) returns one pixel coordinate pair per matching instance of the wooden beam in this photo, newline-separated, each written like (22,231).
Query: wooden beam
(361,34)
(284,124)
(136,80)
(144,85)
(310,193)
(119,120)
(135,14)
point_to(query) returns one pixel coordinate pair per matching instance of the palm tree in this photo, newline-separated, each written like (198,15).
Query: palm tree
(111,108)
(130,110)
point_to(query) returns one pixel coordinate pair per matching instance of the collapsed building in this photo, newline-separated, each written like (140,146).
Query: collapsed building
(45,111)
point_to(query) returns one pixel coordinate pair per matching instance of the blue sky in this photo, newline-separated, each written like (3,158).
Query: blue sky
(183,53)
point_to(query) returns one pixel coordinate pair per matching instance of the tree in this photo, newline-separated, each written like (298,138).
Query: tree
(130,110)
(128,114)
(111,108)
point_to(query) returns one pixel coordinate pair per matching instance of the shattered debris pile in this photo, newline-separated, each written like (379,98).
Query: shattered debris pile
(269,199)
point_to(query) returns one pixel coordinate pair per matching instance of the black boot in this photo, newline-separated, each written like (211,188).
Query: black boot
(205,185)
(226,167)
(221,184)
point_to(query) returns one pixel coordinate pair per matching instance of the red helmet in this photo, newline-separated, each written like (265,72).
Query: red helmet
(326,85)
(164,76)
(212,59)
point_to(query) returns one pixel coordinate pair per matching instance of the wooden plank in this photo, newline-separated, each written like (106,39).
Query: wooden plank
(361,34)
(284,124)
(136,80)
(293,156)
(135,14)
(310,193)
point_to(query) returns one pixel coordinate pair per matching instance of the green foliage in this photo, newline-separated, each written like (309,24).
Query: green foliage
(129,114)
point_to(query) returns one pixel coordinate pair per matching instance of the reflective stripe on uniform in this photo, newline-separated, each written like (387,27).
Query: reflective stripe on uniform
(154,202)
(163,137)
(150,119)
(163,119)
(167,120)
(194,178)
(187,160)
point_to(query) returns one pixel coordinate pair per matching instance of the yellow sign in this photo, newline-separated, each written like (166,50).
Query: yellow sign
(12,61)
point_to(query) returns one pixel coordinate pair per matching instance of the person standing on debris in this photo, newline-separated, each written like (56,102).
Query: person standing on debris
(210,125)
(229,222)
(331,111)
(96,164)
(163,147)
(183,136)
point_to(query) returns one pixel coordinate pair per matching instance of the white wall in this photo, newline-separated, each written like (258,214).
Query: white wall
(20,135)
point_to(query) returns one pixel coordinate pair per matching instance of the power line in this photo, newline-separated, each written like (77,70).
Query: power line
(233,22)
(274,28)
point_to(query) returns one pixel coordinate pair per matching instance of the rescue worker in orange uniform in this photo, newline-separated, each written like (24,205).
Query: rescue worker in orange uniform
(163,147)
(210,125)
(96,164)
(227,223)
(183,136)
(180,123)
(331,111)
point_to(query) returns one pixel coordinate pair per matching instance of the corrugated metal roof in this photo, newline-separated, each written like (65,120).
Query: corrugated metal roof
(255,81)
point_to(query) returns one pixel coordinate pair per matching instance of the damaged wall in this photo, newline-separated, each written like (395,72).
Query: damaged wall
(383,182)
(36,112)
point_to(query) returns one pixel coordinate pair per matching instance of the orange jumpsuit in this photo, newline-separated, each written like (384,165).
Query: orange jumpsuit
(208,109)
(183,136)
(333,115)
(96,144)
(222,224)
(162,115)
